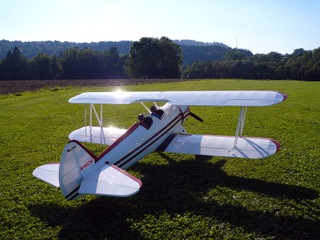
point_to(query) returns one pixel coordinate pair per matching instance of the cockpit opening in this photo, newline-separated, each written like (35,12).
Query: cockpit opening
(145,121)
(159,113)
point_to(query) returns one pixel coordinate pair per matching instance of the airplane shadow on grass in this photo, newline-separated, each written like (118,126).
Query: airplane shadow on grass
(178,188)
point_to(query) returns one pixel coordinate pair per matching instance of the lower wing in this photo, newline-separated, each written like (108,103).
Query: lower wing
(99,135)
(223,146)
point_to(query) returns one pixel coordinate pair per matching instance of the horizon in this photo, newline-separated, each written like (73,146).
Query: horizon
(261,27)
(199,42)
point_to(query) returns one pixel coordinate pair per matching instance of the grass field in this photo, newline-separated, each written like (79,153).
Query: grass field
(182,197)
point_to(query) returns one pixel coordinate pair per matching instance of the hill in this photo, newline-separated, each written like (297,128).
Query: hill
(31,49)
(192,50)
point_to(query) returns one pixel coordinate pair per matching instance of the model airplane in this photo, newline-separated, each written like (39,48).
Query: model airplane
(82,172)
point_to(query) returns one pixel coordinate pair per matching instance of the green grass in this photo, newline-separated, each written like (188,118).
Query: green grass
(181,197)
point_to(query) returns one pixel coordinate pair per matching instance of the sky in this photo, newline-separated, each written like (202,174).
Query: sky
(261,26)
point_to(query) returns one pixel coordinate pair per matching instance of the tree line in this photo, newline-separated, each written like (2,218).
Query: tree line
(192,50)
(32,48)
(160,58)
(148,58)
(300,65)
(70,64)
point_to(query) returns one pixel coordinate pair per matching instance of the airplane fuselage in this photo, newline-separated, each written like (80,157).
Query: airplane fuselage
(139,140)
(144,137)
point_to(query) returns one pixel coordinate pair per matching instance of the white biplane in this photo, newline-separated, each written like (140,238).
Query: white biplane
(82,172)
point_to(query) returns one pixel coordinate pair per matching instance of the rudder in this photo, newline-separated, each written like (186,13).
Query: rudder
(75,160)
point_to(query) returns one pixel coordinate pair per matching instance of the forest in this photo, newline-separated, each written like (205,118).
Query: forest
(151,58)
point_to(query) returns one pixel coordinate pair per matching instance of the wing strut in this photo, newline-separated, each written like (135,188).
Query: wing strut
(99,119)
(148,110)
(240,126)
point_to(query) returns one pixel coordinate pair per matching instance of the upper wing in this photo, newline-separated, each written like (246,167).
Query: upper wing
(99,135)
(222,146)
(192,98)
(110,181)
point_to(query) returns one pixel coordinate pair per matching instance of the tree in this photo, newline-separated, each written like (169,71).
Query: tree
(39,67)
(170,58)
(154,58)
(70,63)
(237,54)
(113,64)
(55,67)
(89,63)
(274,57)
(14,66)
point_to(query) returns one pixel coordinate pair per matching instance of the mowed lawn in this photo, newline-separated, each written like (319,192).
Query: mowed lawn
(182,197)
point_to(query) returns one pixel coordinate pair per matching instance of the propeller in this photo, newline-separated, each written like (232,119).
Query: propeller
(196,116)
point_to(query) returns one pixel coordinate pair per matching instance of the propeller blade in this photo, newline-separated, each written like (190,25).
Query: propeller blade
(196,117)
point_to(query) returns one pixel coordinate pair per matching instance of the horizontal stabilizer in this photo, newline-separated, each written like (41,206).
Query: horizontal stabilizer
(48,173)
(110,181)
(223,146)
(99,135)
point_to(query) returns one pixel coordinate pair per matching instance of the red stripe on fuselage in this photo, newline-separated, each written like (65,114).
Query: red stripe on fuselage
(119,140)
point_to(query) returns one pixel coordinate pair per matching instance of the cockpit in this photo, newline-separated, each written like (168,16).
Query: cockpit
(159,113)
(147,121)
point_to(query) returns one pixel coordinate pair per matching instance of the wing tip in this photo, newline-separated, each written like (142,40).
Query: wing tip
(278,145)
(285,96)
(48,173)
(137,180)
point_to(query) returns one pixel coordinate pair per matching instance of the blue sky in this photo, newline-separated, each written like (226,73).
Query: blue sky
(261,26)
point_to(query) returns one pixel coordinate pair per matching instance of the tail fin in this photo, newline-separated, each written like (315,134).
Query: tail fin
(75,161)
